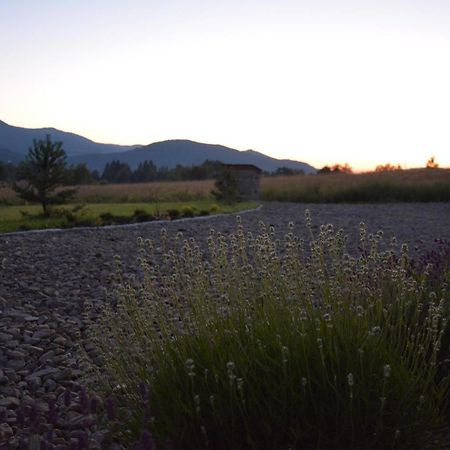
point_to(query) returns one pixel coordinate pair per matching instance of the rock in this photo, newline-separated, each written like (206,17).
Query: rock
(16,364)
(31,340)
(41,334)
(5,432)
(60,340)
(33,348)
(47,356)
(10,402)
(31,318)
(42,373)
(5,337)
(15,354)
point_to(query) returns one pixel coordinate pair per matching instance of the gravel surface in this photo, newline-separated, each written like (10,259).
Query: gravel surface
(45,278)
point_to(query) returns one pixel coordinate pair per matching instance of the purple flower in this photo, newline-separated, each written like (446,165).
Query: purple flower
(84,401)
(20,418)
(22,445)
(67,397)
(33,415)
(82,441)
(110,408)
(53,416)
(145,442)
(94,404)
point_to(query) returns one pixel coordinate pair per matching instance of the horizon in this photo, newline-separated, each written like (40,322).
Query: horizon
(137,145)
(313,81)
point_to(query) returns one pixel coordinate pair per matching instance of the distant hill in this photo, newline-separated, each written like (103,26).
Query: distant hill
(15,141)
(18,140)
(187,153)
(7,156)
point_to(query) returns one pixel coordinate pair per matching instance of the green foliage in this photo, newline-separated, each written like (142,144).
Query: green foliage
(286,171)
(266,345)
(44,170)
(188,211)
(7,172)
(147,171)
(13,218)
(226,187)
(173,213)
(117,172)
(141,215)
(78,175)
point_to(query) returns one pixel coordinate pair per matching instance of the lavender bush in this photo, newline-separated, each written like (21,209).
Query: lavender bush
(267,344)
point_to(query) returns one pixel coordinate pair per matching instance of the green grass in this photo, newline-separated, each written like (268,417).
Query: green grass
(263,344)
(97,214)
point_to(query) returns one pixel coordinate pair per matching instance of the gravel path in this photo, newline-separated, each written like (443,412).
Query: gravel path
(46,277)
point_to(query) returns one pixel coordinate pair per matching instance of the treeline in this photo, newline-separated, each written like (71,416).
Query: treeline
(119,172)
(147,171)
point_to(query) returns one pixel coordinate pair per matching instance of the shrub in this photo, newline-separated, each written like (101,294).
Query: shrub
(188,211)
(140,215)
(214,208)
(269,345)
(107,218)
(173,213)
(226,187)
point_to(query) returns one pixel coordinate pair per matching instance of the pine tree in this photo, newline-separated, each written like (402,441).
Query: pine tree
(42,172)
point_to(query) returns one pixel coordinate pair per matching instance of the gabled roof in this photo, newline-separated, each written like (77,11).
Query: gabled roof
(243,167)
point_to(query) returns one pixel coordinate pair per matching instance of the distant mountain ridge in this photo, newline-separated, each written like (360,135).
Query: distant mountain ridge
(18,140)
(166,153)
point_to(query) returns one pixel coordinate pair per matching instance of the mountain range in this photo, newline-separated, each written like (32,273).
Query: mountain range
(15,141)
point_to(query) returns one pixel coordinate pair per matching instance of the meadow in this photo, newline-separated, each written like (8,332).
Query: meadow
(29,217)
(396,186)
(129,193)
(415,185)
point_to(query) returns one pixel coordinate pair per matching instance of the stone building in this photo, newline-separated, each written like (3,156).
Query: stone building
(247,177)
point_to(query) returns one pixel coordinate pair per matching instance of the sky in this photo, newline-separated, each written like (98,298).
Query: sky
(321,81)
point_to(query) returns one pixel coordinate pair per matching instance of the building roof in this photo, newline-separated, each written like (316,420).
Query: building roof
(244,167)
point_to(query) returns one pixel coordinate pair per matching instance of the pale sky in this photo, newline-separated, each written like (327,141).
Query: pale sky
(321,81)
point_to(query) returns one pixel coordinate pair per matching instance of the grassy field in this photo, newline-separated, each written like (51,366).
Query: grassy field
(420,185)
(403,185)
(186,191)
(27,217)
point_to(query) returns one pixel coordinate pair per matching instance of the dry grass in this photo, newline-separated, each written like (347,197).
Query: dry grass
(136,192)
(329,182)
(403,185)
(157,191)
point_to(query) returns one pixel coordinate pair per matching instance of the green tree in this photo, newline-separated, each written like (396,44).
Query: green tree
(226,187)
(76,175)
(117,172)
(42,172)
(146,172)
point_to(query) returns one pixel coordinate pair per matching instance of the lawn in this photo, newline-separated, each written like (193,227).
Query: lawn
(28,217)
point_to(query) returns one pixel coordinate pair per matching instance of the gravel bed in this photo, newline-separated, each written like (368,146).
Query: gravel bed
(45,278)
